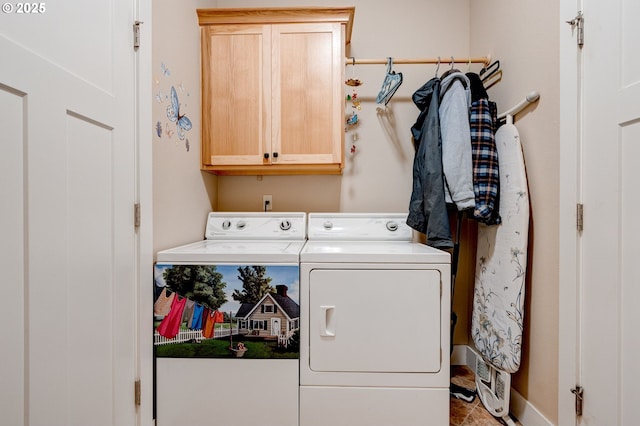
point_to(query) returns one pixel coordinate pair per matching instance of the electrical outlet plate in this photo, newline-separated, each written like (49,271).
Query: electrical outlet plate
(267,202)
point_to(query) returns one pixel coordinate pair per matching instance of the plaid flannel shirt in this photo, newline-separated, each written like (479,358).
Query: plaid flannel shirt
(486,179)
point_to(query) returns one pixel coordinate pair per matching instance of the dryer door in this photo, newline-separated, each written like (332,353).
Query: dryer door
(374,321)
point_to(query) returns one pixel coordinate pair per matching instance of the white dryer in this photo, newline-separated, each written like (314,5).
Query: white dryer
(238,362)
(375,321)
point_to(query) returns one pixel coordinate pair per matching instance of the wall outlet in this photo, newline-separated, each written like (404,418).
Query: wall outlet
(267,203)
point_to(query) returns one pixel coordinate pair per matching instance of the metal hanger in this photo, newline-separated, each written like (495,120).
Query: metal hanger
(450,70)
(490,70)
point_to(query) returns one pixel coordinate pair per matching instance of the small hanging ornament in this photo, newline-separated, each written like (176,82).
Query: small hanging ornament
(355,102)
(355,105)
(353,81)
(353,144)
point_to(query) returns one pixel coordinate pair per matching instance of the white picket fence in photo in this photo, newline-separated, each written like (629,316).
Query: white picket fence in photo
(186,335)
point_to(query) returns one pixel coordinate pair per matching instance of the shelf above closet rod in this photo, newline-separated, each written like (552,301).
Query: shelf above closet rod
(397,61)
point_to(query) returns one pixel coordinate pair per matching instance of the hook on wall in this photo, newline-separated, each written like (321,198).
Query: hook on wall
(353,81)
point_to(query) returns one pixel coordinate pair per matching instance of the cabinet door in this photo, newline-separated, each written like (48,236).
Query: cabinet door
(236,114)
(307,104)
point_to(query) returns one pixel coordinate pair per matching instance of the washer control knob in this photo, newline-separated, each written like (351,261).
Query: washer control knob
(392,226)
(327,225)
(241,224)
(285,225)
(226,224)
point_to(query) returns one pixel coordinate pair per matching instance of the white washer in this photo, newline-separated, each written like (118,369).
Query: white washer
(196,385)
(375,321)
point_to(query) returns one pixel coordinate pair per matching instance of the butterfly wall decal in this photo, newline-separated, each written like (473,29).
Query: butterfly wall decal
(168,131)
(173,113)
(165,69)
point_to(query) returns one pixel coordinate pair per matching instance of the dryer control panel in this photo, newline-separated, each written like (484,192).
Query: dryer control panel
(359,227)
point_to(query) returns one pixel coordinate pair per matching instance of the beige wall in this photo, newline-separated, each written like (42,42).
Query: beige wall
(182,195)
(524,35)
(377,178)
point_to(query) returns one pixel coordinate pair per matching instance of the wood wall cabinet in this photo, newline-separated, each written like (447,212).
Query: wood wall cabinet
(272,90)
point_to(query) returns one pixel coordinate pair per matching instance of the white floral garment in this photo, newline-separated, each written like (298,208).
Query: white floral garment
(501,262)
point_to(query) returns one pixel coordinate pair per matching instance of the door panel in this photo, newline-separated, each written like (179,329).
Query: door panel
(71,183)
(90,285)
(611,145)
(12,229)
(630,288)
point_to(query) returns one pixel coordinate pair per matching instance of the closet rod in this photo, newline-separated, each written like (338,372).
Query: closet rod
(396,61)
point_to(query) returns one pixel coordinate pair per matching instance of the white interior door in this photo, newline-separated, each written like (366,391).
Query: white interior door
(609,283)
(68,252)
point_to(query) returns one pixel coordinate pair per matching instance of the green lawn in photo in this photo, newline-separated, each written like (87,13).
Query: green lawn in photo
(219,348)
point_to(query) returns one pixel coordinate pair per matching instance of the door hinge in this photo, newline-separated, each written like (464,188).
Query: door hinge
(578,392)
(136,390)
(580,217)
(136,215)
(578,24)
(136,34)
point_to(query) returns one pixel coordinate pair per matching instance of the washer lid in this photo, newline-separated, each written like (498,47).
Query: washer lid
(371,251)
(222,251)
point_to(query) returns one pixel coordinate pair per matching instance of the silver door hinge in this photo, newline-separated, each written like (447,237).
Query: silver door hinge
(578,392)
(136,215)
(578,24)
(580,217)
(136,390)
(136,34)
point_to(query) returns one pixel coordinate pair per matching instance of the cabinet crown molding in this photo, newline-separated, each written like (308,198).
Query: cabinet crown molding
(279,15)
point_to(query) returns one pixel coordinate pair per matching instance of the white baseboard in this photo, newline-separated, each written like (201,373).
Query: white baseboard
(525,412)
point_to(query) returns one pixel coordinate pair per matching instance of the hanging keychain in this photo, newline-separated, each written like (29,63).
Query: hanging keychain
(353,82)
(352,120)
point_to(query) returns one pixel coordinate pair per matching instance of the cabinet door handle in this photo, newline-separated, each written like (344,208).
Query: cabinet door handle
(266,155)
(275,155)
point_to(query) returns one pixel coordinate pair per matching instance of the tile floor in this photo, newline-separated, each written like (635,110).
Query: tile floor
(468,413)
